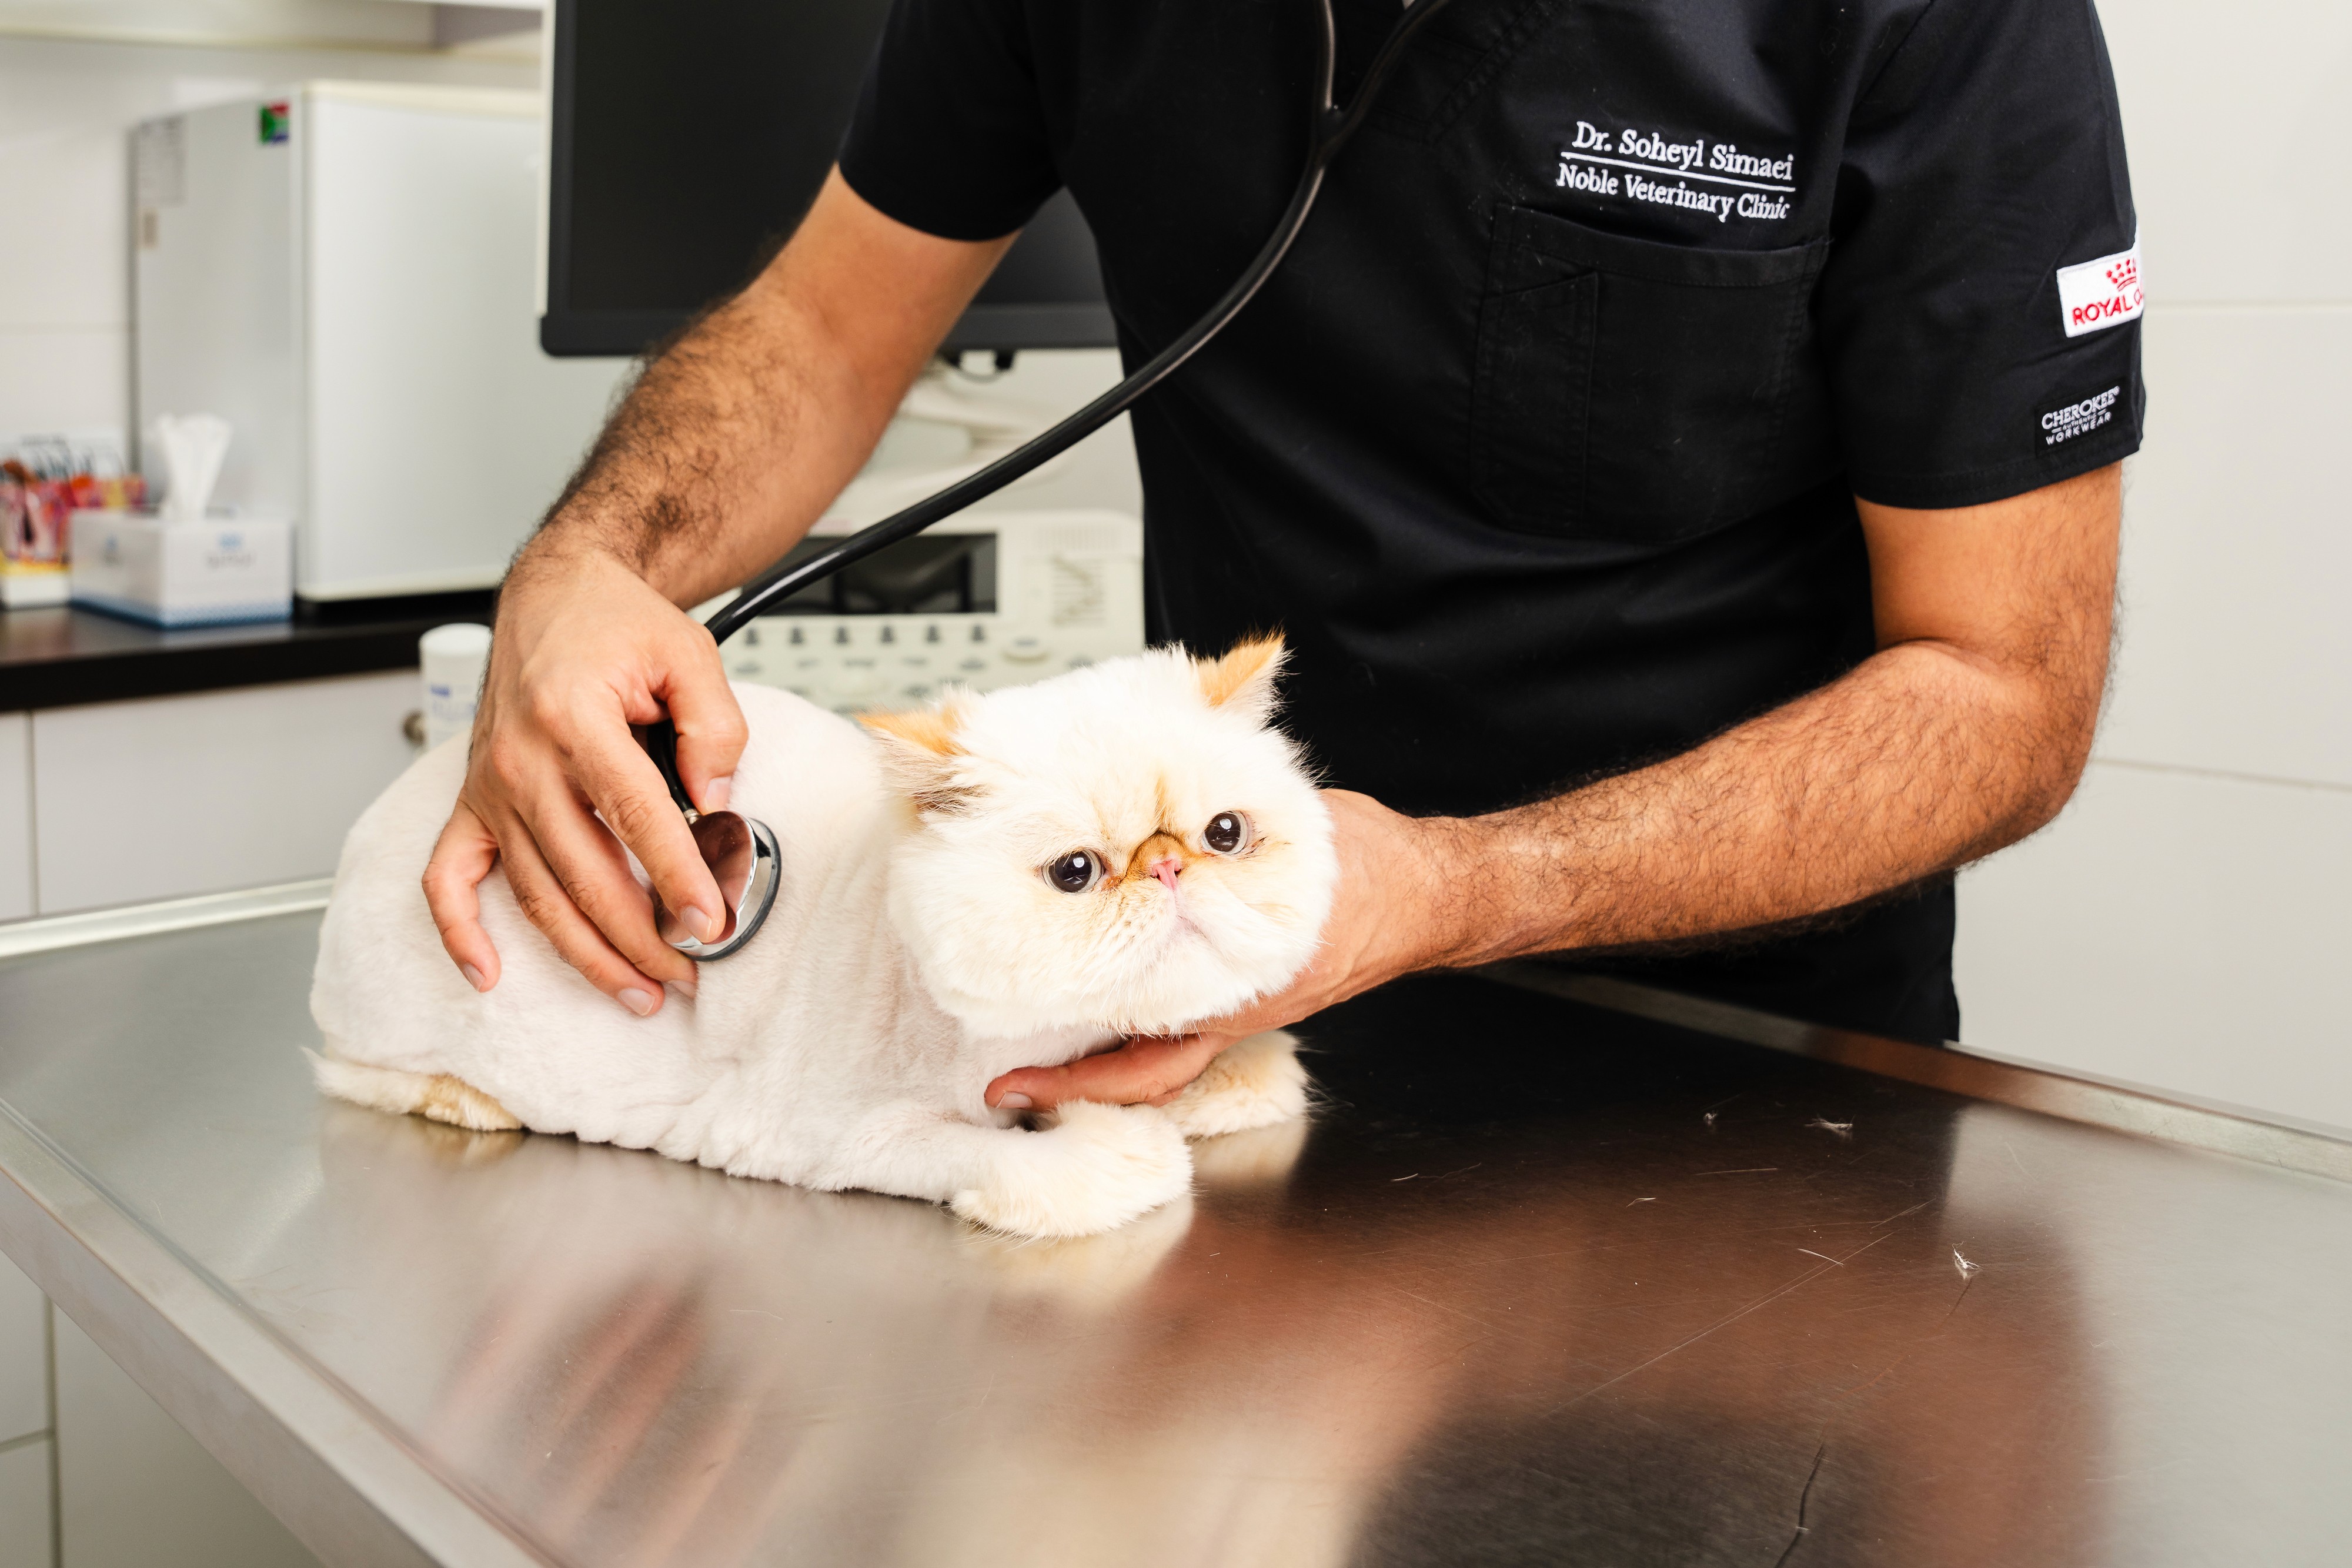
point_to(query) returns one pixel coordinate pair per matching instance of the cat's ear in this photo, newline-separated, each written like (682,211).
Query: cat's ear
(918,754)
(1244,679)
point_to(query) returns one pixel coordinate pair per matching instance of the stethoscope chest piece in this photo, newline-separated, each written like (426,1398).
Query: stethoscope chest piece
(742,854)
(740,851)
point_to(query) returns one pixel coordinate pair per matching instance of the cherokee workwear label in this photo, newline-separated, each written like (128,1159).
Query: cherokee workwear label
(2079,418)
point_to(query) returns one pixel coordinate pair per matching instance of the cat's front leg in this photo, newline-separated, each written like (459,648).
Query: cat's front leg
(1093,1168)
(1254,1082)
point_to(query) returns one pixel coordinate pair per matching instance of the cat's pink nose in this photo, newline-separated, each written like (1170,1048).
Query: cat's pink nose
(1166,869)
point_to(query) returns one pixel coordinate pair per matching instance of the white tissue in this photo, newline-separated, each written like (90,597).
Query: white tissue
(192,448)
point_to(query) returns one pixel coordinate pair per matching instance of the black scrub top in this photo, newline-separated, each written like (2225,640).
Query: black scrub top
(1541,446)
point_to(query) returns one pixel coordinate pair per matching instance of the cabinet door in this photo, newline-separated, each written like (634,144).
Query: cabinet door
(166,796)
(16,815)
(134,1490)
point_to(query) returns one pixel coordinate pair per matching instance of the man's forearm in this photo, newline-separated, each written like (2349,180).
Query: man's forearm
(738,435)
(1966,731)
(725,450)
(1914,763)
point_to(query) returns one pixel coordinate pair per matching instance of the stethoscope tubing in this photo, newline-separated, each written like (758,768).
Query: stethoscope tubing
(1329,130)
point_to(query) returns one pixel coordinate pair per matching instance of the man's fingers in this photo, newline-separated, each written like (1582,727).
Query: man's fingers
(548,905)
(711,730)
(622,783)
(593,872)
(463,857)
(1141,1072)
(627,791)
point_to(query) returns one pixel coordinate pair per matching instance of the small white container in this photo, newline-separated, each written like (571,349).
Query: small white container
(452,658)
(215,572)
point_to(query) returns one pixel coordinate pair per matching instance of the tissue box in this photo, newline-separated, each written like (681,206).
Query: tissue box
(215,572)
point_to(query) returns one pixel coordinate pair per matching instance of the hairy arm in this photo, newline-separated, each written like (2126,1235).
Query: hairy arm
(1966,731)
(729,446)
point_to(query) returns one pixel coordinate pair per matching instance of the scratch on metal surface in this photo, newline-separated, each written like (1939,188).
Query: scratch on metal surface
(1465,1170)
(1443,1306)
(1963,1265)
(1823,1256)
(1803,1498)
(1843,1129)
(1641,1200)
(1904,1215)
(1709,1117)
(1813,1273)
(1403,1177)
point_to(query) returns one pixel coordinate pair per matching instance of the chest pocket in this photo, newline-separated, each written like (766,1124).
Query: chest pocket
(1633,390)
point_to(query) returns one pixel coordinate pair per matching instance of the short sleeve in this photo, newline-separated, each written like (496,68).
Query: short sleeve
(1980,313)
(949,136)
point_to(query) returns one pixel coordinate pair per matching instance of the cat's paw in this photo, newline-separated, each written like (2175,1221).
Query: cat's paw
(1255,1082)
(1097,1167)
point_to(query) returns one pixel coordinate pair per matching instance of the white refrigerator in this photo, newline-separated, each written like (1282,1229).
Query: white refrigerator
(348,272)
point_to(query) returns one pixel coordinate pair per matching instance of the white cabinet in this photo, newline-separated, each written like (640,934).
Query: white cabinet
(24,1541)
(165,797)
(16,815)
(23,1357)
(135,1491)
(24,1422)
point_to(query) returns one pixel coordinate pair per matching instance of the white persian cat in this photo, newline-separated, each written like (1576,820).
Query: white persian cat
(1006,880)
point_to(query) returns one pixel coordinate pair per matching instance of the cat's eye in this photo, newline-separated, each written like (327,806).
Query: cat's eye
(1228,833)
(1075,871)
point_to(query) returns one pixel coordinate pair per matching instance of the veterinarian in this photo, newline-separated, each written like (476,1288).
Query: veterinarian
(1682,450)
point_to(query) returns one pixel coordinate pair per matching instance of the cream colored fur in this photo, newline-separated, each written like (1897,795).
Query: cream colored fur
(915,952)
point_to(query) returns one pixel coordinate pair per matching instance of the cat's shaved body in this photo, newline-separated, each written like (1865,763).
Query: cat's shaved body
(914,953)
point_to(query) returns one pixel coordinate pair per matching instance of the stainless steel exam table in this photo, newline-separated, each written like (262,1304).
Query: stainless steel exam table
(1564,1272)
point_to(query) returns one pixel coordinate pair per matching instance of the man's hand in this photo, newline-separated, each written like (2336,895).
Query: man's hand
(1394,911)
(728,448)
(1966,731)
(585,650)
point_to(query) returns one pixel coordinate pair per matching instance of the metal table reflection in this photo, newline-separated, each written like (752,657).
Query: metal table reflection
(1545,1281)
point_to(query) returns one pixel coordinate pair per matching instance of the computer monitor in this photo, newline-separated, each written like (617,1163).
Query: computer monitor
(686,142)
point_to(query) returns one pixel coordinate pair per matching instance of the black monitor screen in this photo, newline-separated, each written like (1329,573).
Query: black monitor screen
(688,142)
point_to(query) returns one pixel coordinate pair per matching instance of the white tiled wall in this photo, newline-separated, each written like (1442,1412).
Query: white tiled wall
(2184,923)
(66,105)
(2237,651)
(2233,120)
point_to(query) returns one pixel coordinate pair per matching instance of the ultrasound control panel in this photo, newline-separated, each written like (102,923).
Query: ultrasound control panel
(985,600)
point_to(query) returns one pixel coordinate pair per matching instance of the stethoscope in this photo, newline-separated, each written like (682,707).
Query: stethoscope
(742,850)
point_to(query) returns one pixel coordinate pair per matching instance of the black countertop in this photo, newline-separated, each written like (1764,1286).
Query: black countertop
(58,656)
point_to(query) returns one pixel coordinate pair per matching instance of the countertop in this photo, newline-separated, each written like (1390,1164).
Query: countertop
(1578,1274)
(56,656)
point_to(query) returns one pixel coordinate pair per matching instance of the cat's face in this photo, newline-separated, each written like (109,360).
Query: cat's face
(1128,845)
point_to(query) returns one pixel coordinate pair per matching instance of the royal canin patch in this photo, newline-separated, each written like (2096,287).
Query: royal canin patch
(2100,293)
